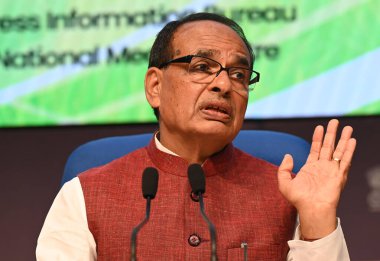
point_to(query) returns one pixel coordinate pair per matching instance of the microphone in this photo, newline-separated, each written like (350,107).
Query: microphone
(149,190)
(198,186)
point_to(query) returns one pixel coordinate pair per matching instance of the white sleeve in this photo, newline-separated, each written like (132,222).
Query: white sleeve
(65,234)
(330,248)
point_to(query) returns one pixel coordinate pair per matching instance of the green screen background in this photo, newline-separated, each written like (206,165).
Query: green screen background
(317,58)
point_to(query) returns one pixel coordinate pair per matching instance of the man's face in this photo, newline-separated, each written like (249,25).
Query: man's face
(213,110)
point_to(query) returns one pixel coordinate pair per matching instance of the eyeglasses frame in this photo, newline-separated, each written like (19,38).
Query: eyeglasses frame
(188,58)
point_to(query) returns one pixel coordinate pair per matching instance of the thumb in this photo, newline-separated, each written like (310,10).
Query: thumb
(284,171)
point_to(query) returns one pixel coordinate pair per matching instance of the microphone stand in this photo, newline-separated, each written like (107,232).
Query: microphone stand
(210,226)
(137,229)
(198,185)
(149,190)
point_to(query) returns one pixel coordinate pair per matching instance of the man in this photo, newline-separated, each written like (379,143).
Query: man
(198,83)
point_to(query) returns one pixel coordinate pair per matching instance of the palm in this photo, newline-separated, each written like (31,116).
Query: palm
(321,180)
(316,183)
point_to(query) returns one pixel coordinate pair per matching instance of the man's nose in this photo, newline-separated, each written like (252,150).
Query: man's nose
(221,83)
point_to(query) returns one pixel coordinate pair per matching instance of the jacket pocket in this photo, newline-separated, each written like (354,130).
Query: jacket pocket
(258,252)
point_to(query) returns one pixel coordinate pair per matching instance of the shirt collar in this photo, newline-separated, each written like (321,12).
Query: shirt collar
(168,161)
(162,147)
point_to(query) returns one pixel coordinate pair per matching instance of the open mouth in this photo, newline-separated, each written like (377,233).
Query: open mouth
(217,111)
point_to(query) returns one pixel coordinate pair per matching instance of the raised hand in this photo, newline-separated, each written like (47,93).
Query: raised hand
(316,189)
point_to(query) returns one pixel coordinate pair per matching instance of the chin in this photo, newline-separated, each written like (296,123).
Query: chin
(217,130)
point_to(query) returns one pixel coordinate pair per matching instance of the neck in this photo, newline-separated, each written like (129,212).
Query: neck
(192,148)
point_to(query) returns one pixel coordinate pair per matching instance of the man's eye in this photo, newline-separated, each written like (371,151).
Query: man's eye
(201,67)
(240,75)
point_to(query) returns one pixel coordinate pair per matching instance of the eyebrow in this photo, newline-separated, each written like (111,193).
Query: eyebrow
(210,53)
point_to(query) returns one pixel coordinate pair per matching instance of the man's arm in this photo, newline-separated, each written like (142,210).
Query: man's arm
(316,189)
(65,234)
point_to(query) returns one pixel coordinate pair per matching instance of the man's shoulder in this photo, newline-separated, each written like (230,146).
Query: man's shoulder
(250,170)
(252,162)
(257,175)
(116,167)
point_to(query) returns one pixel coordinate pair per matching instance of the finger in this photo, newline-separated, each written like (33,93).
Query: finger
(329,140)
(345,163)
(284,174)
(316,144)
(345,136)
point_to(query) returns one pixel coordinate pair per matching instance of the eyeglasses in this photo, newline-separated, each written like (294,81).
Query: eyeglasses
(205,70)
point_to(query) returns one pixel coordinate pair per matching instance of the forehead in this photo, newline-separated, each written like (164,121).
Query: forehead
(218,39)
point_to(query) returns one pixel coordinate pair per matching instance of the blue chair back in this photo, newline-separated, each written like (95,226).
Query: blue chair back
(268,145)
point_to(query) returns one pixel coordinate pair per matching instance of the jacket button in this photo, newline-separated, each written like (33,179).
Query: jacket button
(194,197)
(194,240)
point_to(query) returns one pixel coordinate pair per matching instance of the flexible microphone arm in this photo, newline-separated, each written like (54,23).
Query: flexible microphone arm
(211,228)
(149,189)
(198,186)
(137,228)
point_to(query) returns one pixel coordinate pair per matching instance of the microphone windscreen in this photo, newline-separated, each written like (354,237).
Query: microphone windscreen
(149,182)
(196,178)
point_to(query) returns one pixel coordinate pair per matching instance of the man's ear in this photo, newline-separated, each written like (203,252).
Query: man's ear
(153,83)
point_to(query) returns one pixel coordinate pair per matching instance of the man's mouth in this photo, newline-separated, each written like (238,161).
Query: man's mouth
(217,111)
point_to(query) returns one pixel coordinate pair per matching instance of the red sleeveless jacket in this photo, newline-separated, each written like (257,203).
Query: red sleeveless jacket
(242,200)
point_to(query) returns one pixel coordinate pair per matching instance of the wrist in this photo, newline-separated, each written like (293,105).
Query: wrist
(317,224)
